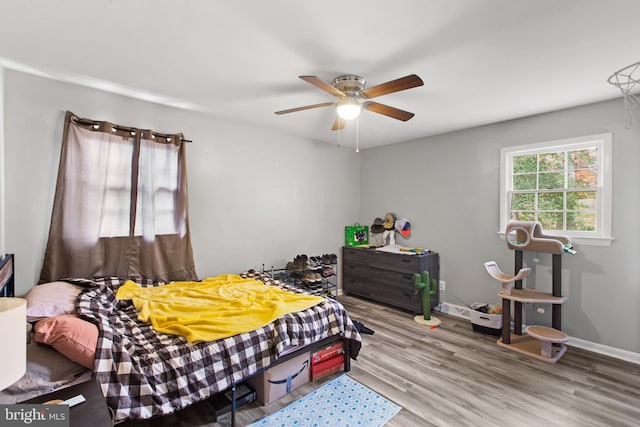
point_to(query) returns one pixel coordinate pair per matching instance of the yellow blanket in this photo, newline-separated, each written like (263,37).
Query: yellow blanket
(217,307)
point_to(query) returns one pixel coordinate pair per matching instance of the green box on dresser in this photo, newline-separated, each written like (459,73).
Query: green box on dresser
(388,277)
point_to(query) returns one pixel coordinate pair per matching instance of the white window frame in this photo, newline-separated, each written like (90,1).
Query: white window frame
(603,142)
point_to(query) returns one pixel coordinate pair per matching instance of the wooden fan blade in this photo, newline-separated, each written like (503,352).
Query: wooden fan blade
(386,110)
(397,85)
(306,107)
(323,85)
(338,124)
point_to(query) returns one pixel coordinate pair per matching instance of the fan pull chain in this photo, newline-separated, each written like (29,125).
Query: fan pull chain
(357,134)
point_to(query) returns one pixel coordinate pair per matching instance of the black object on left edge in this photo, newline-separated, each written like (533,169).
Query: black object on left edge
(92,412)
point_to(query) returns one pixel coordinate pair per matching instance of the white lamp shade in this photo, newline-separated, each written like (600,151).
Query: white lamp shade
(13,340)
(348,109)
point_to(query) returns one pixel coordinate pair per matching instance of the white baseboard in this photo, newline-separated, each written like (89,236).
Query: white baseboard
(606,350)
(629,356)
(454,310)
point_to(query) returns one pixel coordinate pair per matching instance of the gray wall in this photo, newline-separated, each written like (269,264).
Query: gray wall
(447,186)
(255,197)
(259,197)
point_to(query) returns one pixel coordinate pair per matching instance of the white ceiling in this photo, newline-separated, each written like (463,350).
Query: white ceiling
(482,61)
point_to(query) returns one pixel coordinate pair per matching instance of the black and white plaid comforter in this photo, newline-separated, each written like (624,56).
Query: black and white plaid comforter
(145,374)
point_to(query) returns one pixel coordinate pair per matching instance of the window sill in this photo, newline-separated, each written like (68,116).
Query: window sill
(582,240)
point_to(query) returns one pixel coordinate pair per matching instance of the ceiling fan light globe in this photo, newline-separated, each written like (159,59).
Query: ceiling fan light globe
(348,111)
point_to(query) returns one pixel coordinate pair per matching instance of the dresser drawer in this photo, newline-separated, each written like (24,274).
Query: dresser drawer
(378,279)
(393,262)
(399,296)
(392,279)
(359,271)
(357,256)
(356,286)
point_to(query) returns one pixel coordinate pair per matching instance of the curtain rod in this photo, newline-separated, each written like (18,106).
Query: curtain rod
(97,123)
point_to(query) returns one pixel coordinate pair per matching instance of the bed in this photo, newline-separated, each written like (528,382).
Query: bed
(145,374)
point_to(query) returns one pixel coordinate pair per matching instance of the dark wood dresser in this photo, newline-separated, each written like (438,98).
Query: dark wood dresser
(387,277)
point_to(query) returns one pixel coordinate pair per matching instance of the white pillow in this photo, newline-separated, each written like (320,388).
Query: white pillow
(51,299)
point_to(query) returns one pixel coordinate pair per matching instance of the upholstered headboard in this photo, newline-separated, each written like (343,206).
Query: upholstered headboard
(6,276)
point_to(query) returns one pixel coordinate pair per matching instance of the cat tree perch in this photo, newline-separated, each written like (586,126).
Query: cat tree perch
(507,280)
(528,236)
(541,342)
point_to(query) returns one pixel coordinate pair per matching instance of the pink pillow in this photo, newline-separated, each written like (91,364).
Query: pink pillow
(71,336)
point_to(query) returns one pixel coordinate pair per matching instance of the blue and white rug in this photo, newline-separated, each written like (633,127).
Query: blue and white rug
(341,402)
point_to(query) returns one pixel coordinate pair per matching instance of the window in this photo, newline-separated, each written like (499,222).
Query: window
(120,208)
(564,184)
(157,188)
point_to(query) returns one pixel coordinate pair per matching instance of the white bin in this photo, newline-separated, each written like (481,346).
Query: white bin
(484,322)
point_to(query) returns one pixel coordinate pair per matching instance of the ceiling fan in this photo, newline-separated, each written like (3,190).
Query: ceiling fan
(350,91)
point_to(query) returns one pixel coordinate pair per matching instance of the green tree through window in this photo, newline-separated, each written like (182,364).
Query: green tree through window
(564,184)
(557,188)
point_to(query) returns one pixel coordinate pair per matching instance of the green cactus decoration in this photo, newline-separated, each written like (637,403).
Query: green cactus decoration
(429,287)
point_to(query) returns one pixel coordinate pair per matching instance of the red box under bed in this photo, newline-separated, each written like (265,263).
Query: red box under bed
(329,366)
(327,353)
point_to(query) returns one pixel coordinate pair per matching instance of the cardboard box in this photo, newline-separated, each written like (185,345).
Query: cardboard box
(327,353)
(327,367)
(280,379)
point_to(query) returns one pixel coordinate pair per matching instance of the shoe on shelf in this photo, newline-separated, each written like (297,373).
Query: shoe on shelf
(333,259)
(291,265)
(327,272)
(326,259)
(299,263)
(307,263)
(313,263)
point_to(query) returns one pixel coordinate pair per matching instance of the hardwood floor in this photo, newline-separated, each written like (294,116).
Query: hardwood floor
(453,376)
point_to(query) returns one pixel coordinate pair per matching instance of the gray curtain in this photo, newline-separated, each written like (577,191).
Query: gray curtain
(120,207)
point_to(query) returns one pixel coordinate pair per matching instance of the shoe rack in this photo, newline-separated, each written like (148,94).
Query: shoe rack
(317,275)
